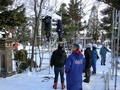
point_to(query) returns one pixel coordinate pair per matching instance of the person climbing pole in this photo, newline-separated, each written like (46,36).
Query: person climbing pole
(59,29)
(47,22)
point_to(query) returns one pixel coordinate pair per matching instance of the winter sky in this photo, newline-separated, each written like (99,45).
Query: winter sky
(88,5)
(56,4)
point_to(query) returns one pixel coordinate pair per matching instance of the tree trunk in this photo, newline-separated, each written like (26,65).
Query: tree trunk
(33,45)
(37,17)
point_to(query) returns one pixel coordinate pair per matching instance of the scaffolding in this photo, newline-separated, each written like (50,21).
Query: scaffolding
(49,9)
(115,46)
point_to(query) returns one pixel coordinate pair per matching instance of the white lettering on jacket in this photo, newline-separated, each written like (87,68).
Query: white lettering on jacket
(78,61)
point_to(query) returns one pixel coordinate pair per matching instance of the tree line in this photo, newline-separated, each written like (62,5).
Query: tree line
(16,21)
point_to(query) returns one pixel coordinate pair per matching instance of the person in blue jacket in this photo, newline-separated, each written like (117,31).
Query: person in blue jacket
(103,52)
(94,58)
(74,67)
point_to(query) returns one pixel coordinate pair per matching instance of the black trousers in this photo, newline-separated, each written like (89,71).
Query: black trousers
(48,34)
(87,74)
(60,35)
(57,71)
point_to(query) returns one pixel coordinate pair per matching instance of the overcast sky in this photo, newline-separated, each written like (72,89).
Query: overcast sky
(57,3)
(88,5)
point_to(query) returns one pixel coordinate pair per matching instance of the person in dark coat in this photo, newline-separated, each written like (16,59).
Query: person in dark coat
(88,58)
(59,29)
(47,22)
(58,60)
(74,68)
(103,52)
(94,58)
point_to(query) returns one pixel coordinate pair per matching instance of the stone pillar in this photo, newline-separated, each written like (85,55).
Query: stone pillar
(6,57)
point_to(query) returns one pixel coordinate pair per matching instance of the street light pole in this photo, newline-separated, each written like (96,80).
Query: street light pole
(112,44)
(116,61)
(84,34)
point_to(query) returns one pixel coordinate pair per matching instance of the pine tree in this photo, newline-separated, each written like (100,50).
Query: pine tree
(10,18)
(65,21)
(107,20)
(23,33)
(113,3)
(75,11)
(65,15)
(4,4)
(93,24)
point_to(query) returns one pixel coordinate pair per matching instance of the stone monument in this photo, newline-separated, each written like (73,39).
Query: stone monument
(6,56)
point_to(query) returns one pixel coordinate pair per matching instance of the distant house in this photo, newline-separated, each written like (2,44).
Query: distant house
(84,40)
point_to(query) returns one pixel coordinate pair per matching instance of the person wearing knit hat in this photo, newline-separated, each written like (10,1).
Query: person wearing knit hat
(94,45)
(74,68)
(58,60)
(88,45)
(80,47)
(76,46)
(88,58)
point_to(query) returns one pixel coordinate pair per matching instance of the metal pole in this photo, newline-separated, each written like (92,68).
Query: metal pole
(29,51)
(84,34)
(84,39)
(49,55)
(36,58)
(0,61)
(114,41)
(112,46)
(116,62)
(108,81)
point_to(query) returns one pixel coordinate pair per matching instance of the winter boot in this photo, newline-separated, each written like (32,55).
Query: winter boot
(93,73)
(86,81)
(55,86)
(63,86)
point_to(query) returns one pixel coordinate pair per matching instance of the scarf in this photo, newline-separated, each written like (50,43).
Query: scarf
(77,51)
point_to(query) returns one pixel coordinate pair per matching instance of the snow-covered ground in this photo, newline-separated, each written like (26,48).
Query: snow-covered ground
(43,80)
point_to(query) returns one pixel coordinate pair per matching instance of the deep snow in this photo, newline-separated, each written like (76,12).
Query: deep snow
(36,81)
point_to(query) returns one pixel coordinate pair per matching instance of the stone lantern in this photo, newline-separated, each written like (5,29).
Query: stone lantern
(6,56)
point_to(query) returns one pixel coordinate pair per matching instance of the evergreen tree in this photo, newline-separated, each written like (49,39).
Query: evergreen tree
(113,3)
(10,18)
(93,24)
(23,33)
(4,4)
(75,11)
(107,20)
(71,18)
(65,21)
(65,15)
